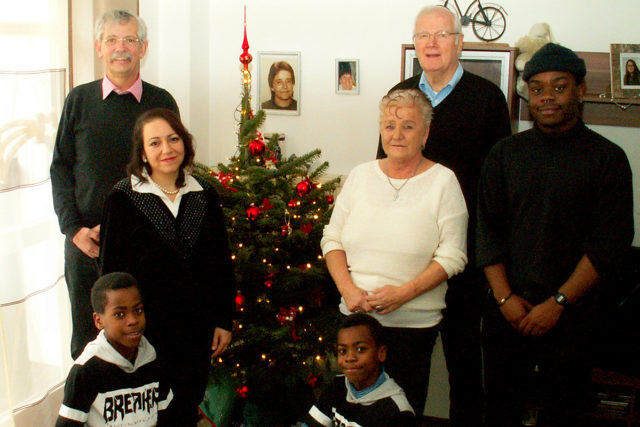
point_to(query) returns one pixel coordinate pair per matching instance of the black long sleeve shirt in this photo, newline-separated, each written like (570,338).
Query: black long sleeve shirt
(546,200)
(93,147)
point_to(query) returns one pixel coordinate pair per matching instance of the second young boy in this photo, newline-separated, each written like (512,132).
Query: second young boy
(364,394)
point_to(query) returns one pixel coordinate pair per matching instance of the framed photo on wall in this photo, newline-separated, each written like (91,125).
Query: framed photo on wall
(625,70)
(347,76)
(279,82)
(492,61)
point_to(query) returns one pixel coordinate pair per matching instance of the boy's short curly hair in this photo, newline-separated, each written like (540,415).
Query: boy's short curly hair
(110,282)
(361,319)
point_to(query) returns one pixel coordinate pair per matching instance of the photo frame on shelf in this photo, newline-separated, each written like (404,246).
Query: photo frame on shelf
(493,61)
(625,70)
(347,76)
(279,83)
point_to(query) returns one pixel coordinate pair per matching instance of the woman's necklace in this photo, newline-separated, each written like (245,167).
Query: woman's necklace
(164,190)
(397,189)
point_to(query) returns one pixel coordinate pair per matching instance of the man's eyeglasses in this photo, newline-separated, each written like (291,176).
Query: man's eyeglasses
(127,41)
(438,35)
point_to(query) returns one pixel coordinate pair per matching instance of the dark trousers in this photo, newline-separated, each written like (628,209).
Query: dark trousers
(187,356)
(409,361)
(552,372)
(461,342)
(80,273)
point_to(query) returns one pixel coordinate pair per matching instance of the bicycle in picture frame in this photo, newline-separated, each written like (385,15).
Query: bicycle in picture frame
(488,22)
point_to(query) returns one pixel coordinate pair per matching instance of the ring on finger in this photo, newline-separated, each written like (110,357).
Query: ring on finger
(379,308)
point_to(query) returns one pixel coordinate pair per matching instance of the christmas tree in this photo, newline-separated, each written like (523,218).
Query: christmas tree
(275,210)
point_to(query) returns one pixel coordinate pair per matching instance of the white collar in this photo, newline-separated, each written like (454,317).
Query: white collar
(148,187)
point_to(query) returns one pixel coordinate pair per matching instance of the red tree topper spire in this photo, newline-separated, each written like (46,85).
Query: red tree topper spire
(246,57)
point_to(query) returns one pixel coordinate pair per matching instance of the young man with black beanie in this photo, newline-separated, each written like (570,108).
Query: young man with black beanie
(555,215)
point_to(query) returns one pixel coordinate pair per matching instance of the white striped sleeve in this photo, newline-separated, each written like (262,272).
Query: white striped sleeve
(320,417)
(73,414)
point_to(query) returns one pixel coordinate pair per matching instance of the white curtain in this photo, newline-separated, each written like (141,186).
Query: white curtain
(34,306)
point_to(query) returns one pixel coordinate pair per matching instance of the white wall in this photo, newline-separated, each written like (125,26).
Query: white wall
(195,45)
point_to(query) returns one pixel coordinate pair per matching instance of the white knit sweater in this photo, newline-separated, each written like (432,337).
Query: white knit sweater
(392,242)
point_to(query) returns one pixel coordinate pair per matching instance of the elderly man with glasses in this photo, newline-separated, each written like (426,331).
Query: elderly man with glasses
(92,148)
(470,115)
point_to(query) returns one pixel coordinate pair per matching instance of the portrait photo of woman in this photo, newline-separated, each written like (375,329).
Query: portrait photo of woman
(631,73)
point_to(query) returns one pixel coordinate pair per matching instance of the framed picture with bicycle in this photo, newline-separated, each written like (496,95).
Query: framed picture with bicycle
(494,62)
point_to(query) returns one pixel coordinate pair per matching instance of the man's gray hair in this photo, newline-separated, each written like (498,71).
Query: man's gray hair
(457,25)
(408,98)
(120,16)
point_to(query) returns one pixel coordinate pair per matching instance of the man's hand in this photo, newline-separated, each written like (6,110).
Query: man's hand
(515,309)
(541,318)
(221,340)
(88,241)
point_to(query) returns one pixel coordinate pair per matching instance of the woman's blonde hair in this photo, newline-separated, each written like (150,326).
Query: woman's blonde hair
(408,98)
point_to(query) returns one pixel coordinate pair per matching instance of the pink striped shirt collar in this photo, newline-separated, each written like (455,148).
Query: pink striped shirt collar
(135,89)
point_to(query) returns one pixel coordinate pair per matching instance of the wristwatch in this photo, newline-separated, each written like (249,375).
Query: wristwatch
(561,299)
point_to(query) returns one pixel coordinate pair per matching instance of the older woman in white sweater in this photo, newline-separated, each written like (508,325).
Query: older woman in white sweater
(397,233)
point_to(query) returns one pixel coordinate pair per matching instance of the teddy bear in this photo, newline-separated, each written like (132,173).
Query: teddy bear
(539,35)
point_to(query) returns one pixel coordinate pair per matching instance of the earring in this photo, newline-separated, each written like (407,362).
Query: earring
(144,160)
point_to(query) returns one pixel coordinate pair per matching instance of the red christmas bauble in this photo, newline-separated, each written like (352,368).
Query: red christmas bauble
(256,147)
(243,391)
(253,212)
(330,199)
(268,283)
(240,301)
(286,315)
(306,228)
(292,203)
(245,58)
(303,187)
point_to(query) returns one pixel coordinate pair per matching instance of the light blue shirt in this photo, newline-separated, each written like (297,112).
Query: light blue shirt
(359,393)
(437,97)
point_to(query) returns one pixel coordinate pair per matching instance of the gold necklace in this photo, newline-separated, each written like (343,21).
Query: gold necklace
(164,190)
(397,189)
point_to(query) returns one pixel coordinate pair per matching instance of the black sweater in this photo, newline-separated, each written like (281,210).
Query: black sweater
(546,200)
(182,264)
(93,147)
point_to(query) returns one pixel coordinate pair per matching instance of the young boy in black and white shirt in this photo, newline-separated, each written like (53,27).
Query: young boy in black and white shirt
(116,381)
(364,395)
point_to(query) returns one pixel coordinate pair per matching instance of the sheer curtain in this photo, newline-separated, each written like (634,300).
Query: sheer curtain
(34,306)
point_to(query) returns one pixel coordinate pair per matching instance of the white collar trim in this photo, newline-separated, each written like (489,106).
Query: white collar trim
(147,186)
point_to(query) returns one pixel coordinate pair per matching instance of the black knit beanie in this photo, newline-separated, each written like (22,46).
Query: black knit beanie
(553,57)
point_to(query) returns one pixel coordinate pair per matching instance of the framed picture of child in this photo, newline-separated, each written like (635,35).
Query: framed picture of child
(279,82)
(625,70)
(347,76)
